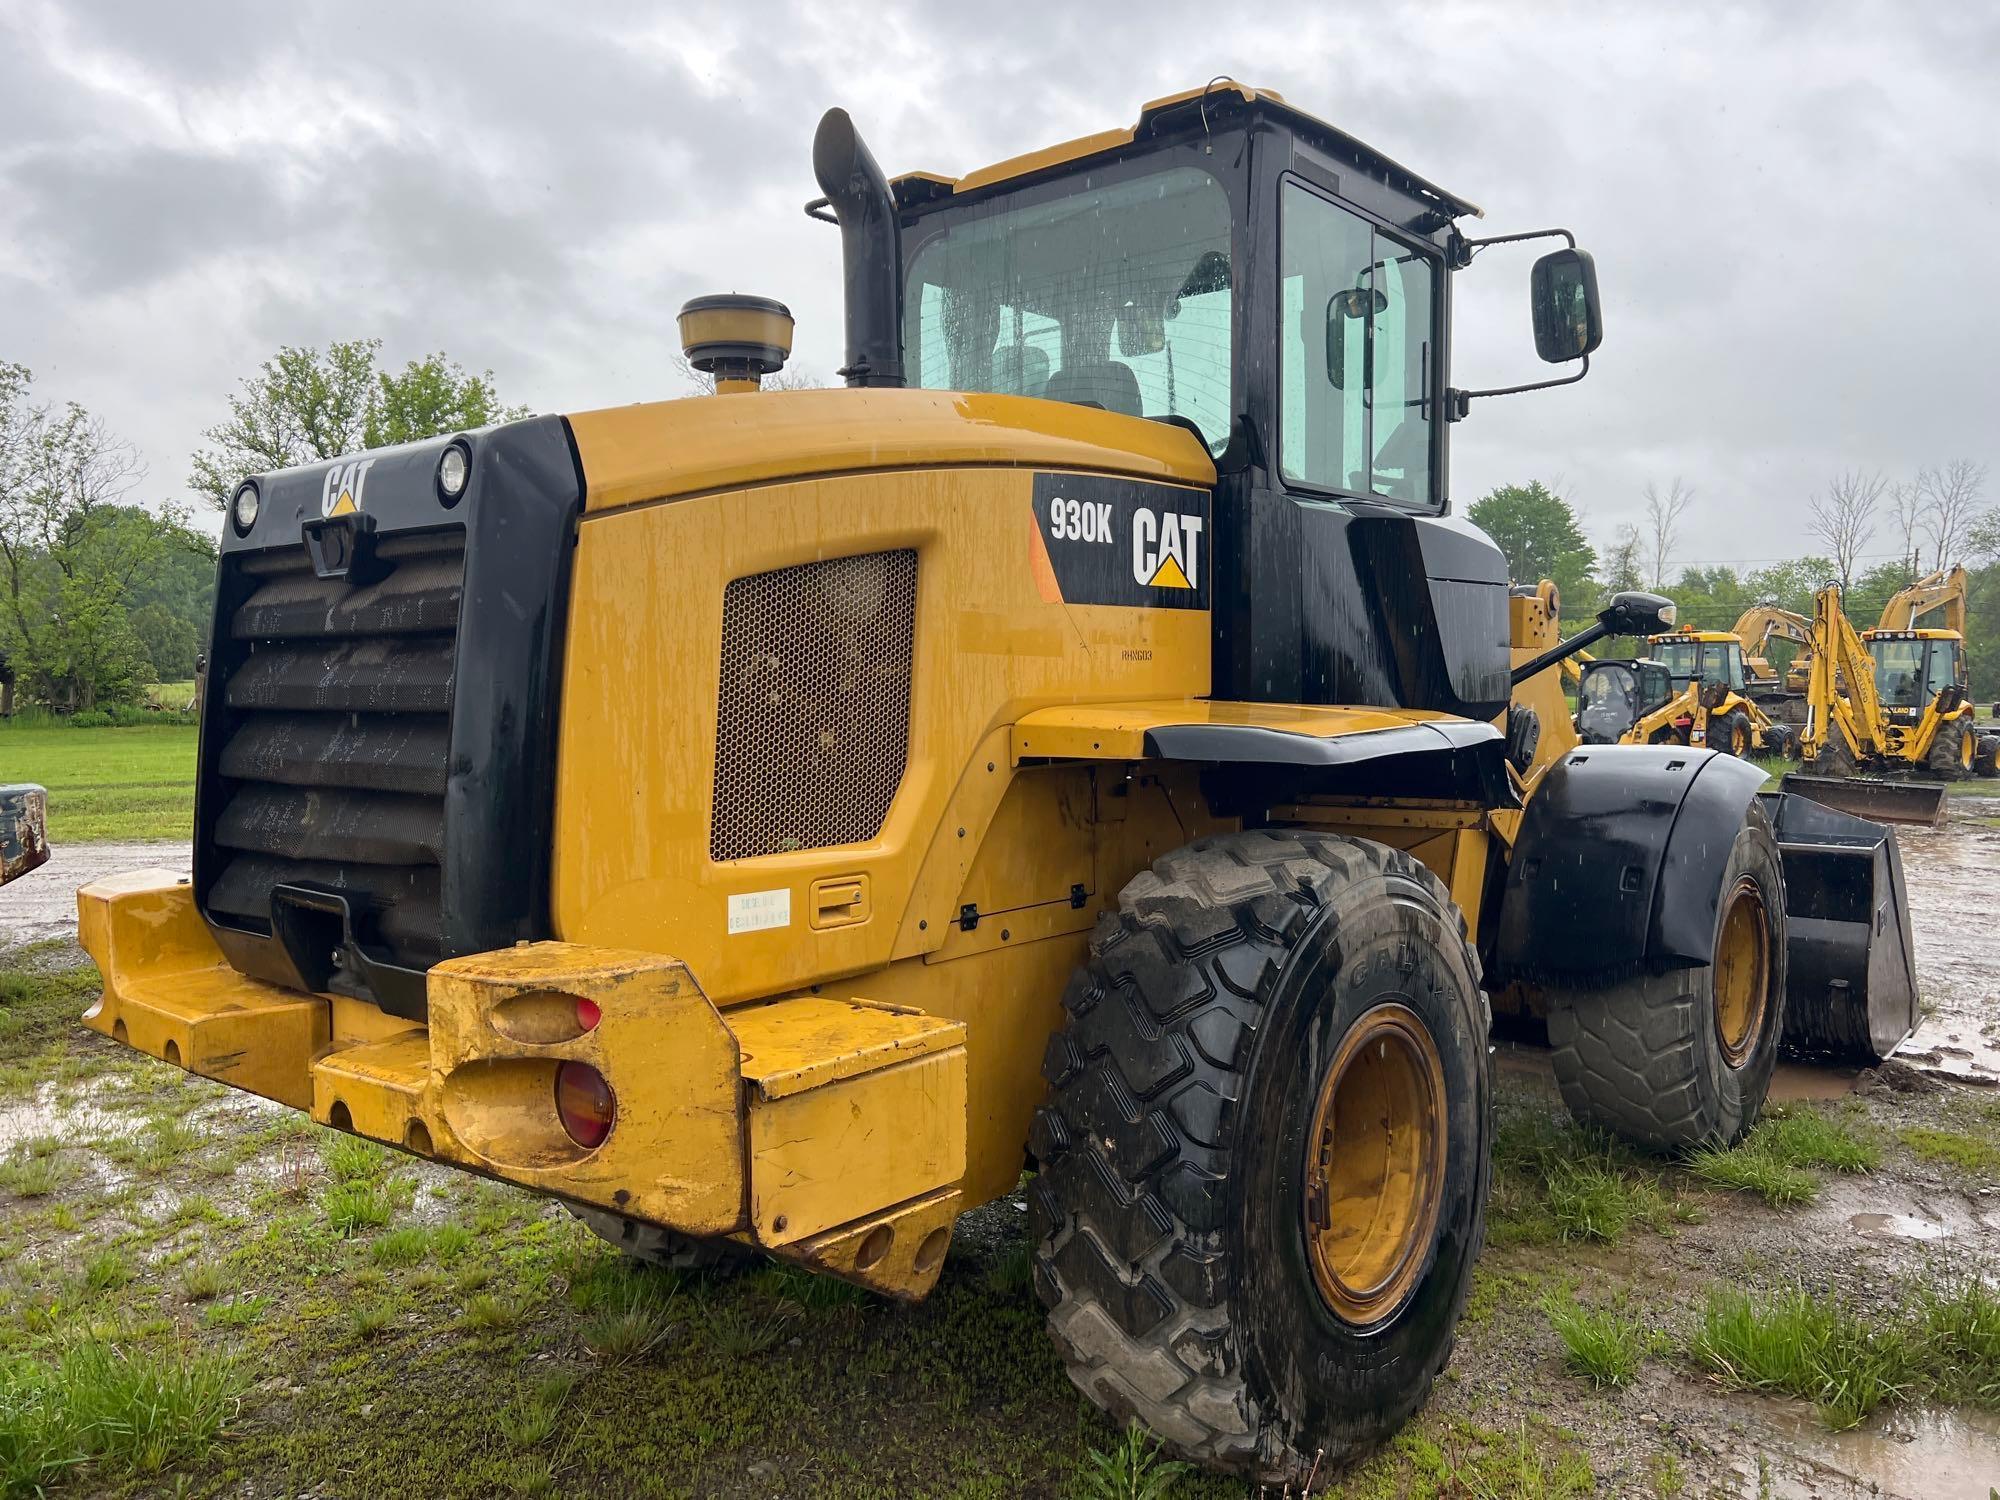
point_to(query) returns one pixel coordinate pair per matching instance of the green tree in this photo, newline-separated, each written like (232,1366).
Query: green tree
(1538,532)
(70,555)
(428,398)
(304,405)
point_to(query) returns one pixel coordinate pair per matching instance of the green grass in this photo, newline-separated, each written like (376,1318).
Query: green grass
(1133,1468)
(106,1271)
(1557,1182)
(132,1413)
(1602,1344)
(1953,1148)
(203,1280)
(351,1207)
(107,784)
(1816,1348)
(37,1008)
(1960,1333)
(1776,1160)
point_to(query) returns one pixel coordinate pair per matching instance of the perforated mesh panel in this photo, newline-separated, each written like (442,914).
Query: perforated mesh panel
(813,716)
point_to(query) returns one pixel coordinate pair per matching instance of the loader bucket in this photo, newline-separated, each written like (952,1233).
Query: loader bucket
(1851,977)
(1918,802)
(24,834)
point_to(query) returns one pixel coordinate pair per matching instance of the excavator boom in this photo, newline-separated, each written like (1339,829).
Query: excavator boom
(1934,602)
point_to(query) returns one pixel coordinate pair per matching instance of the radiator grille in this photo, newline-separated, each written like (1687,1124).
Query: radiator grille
(334,744)
(813,713)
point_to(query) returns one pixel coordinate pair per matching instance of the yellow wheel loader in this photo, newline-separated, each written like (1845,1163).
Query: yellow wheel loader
(769,821)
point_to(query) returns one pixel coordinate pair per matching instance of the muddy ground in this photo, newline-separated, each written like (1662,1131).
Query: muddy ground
(393,1327)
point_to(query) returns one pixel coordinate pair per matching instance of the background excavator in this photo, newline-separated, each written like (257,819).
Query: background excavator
(1781,695)
(1690,689)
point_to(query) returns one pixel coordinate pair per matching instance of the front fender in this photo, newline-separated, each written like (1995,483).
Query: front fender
(1617,867)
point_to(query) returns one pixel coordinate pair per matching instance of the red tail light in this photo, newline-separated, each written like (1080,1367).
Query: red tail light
(587,1014)
(583,1100)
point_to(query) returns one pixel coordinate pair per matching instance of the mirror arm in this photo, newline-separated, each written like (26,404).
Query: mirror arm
(1463,249)
(1584,637)
(1458,403)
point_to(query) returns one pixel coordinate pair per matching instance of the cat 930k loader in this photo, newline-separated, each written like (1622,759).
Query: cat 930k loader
(769,821)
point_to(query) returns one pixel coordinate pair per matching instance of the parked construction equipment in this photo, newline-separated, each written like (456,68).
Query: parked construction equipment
(764,820)
(1899,705)
(24,829)
(1781,697)
(1689,690)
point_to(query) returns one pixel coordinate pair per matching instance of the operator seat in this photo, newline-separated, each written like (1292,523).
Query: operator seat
(1109,386)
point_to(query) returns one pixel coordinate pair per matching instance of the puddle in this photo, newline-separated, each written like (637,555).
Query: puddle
(1915,1453)
(1897,1226)
(1794,1083)
(1955,916)
(73,1121)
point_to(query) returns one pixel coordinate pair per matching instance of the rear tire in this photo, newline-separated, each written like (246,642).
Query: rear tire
(1195,1231)
(1733,735)
(1986,759)
(666,1248)
(1681,1059)
(1950,757)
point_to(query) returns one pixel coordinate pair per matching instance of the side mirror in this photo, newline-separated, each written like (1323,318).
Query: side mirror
(1354,305)
(1637,613)
(1569,323)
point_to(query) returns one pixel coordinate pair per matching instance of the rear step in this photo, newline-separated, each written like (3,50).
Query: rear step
(1917,802)
(1851,985)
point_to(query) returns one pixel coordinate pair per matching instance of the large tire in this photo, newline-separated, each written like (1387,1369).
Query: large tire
(663,1247)
(1986,758)
(1682,1059)
(1241,979)
(1733,734)
(1951,755)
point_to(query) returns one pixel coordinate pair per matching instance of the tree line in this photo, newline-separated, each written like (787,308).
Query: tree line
(1938,518)
(102,595)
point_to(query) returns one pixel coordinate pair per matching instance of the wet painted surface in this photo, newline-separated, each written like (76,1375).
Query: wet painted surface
(42,904)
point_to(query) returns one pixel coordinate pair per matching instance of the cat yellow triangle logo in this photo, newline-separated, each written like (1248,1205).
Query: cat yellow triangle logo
(345,506)
(1168,576)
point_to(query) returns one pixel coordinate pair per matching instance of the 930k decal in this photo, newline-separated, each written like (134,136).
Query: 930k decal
(1124,541)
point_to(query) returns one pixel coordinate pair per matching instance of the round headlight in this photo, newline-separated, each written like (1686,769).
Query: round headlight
(244,509)
(452,471)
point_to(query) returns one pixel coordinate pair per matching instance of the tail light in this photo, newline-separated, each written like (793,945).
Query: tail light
(584,1103)
(588,1014)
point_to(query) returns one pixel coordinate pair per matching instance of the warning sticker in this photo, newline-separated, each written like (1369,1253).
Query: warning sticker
(758,911)
(1122,541)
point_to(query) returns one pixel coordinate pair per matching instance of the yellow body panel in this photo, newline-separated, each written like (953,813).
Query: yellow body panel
(638,731)
(1117,731)
(663,450)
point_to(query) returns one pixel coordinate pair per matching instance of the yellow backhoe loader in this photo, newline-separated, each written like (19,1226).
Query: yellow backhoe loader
(1900,706)
(766,821)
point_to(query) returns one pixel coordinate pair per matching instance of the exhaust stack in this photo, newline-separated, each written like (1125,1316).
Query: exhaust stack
(870,250)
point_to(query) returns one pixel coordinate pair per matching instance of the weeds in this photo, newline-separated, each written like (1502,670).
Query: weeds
(1960,1332)
(528,1421)
(401,1247)
(1578,1185)
(351,1207)
(740,1330)
(106,1272)
(1953,1148)
(238,1312)
(627,1328)
(1774,1161)
(809,1289)
(135,1412)
(489,1313)
(369,1319)
(203,1281)
(33,1176)
(1816,1348)
(1604,1345)
(349,1158)
(1134,1469)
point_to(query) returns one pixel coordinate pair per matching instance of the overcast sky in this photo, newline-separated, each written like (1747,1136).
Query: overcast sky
(1793,209)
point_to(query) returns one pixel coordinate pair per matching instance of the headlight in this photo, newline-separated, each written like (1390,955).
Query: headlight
(243,509)
(452,472)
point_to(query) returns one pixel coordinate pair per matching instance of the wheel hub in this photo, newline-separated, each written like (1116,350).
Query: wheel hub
(1375,1164)
(1742,972)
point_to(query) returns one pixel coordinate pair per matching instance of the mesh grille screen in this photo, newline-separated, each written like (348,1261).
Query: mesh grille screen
(813,716)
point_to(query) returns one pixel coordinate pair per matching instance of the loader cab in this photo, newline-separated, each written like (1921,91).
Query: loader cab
(1710,657)
(1615,695)
(1912,667)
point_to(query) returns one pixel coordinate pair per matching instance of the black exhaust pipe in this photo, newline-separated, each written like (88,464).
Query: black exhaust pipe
(870,250)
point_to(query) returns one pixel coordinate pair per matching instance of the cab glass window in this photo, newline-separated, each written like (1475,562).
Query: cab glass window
(1357,344)
(1899,673)
(1116,294)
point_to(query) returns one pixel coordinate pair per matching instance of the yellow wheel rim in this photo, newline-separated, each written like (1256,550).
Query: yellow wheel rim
(1375,1165)
(1739,740)
(1742,972)
(1965,749)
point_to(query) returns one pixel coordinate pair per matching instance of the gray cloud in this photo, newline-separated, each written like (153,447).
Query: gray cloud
(1789,207)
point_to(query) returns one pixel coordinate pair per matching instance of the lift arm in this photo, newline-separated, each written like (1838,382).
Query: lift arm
(1943,590)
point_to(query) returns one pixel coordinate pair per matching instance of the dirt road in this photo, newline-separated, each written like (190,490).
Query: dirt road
(42,903)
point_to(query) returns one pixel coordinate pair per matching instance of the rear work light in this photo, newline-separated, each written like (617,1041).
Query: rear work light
(583,1101)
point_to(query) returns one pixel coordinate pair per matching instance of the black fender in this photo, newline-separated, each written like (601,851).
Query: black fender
(1616,869)
(1454,759)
